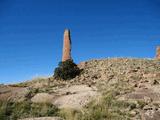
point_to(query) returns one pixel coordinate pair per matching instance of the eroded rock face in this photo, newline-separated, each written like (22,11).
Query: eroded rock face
(66,46)
(158,53)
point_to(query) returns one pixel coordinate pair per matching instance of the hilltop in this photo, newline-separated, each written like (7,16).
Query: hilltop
(115,89)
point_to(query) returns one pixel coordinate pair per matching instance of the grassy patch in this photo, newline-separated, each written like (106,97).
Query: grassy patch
(14,111)
(31,82)
(106,108)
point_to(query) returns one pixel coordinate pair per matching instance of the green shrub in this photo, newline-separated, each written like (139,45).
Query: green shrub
(66,70)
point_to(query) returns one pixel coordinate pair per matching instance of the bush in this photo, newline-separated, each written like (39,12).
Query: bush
(66,70)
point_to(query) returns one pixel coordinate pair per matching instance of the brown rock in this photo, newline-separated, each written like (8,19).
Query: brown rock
(66,46)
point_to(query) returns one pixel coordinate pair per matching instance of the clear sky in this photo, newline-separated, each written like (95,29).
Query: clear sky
(31,33)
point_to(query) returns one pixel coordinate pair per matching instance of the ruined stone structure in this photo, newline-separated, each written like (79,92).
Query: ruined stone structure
(66,46)
(158,53)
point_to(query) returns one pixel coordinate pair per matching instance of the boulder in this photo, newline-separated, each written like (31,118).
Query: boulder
(42,98)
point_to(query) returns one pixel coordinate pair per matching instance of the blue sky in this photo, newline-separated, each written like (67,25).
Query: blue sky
(31,33)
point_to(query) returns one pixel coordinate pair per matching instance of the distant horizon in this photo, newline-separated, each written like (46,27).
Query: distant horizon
(31,33)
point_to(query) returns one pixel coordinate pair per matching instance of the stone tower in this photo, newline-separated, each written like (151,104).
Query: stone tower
(66,46)
(158,53)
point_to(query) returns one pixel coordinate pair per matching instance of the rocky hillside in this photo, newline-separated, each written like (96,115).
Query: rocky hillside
(106,89)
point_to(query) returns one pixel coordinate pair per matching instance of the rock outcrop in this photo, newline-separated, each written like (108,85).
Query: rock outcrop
(42,98)
(75,97)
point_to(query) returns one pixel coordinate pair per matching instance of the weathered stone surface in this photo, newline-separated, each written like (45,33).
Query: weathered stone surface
(75,96)
(158,53)
(66,46)
(151,115)
(42,98)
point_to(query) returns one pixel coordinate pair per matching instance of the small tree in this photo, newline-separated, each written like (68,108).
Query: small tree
(66,70)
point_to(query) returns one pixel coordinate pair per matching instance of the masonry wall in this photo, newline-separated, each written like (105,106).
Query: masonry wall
(158,53)
(66,46)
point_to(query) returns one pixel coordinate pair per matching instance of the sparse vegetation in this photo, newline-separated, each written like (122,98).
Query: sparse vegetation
(14,111)
(66,70)
(105,108)
(122,83)
(141,104)
(31,93)
(31,82)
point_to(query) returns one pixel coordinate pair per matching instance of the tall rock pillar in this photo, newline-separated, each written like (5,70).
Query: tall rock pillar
(158,53)
(66,46)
